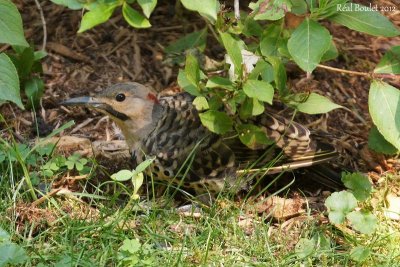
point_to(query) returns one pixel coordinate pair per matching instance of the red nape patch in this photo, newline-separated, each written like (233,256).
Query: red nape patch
(152,97)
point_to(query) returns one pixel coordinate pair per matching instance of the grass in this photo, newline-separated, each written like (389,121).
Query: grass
(96,226)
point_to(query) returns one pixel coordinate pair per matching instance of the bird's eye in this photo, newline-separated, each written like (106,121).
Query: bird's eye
(120,97)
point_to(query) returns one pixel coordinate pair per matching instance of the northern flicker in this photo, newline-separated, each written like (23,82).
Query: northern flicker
(187,154)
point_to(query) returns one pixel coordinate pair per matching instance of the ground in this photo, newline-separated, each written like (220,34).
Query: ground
(87,221)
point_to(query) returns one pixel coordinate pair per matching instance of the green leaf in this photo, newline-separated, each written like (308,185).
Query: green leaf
(299,7)
(186,85)
(360,253)
(384,107)
(192,69)
(200,102)
(390,62)
(137,181)
(131,245)
(206,8)
(305,247)
(313,104)
(4,236)
(71,4)
(308,44)
(38,55)
(363,221)
(331,53)
(24,63)
(272,40)
(220,82)
(339,205)
(216,121)
(9,82)
(261,90)
(269,10)
(357,17)
(144,165)
(196,39)
(134,18)
(377,142)
(100,14)
(34,90)
(122,175)
(252,136)
(251,107)
(11,31)
(233,49)
(264,69)
(280,76)
(13,254)
(147,6)
(358,184)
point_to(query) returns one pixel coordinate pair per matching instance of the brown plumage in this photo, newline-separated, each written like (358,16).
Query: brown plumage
(186,153)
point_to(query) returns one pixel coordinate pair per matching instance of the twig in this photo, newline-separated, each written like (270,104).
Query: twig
(344,71)
(237,11)
(43,25)
(358,73)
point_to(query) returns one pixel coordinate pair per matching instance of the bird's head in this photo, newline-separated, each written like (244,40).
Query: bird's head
(133,106)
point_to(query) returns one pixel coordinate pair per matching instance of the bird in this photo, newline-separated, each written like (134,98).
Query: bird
(168,129)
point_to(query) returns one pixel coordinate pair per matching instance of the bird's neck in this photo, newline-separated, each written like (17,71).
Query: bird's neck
(138,129)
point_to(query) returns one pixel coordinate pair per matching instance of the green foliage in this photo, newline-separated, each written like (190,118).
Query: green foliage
(100,14)
(10,253)
(206,8)
(363,221)
(134,18)
(251,135)
(359,185)
(136,176)
(360,253)
(304,248)
(232,47)
(11,31)
(377,142)
(339,205)
(101,11)
(75,161)
(216,121)
(384,102)
(313,103)
(260,90)
(342,205)
(147,6)
(308,44)
(270,10)
(192,41)
(133,253)
(390,62)
(17,69)
(361,18)
(9,82)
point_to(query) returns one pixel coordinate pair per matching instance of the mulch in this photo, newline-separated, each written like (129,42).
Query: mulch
(79,64)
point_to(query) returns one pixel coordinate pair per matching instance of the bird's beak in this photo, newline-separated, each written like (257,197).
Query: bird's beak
(83,101)
(97,104)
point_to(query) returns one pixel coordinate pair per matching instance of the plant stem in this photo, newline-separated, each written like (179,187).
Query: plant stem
(359,73)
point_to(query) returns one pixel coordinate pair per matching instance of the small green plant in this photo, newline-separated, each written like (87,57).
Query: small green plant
(100,11)
(35,163)
(133,253)
(349,207)
(136,176)
(19,70)
(10,252)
